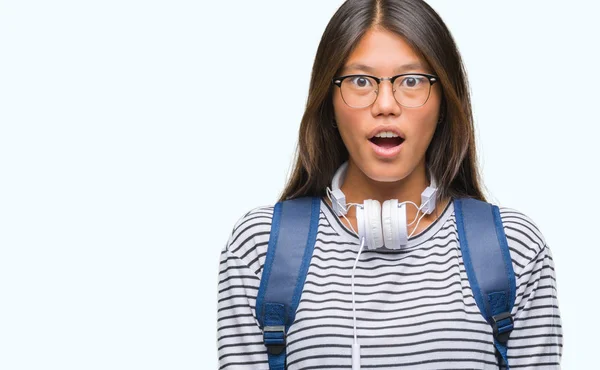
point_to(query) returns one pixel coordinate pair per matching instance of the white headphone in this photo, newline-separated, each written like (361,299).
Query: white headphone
(381,226)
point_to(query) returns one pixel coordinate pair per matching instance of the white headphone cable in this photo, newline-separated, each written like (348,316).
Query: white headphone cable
(347,208)
(355,345)
(424,214)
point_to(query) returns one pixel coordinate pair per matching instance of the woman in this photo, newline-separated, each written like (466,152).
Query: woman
(388,138)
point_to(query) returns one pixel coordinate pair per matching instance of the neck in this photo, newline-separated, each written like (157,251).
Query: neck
(357,187)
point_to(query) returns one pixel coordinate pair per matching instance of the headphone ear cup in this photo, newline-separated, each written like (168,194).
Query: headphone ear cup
(389,224)
(393,219)
(360,220)
(372,223)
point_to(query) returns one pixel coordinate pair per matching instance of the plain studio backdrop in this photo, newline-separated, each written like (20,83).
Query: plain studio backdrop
(135,133)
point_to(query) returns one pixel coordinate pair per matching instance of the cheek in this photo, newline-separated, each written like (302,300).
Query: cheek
(420,131)
(426,119)
(347,119)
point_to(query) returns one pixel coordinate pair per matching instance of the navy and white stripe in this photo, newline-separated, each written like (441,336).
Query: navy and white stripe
(415,308)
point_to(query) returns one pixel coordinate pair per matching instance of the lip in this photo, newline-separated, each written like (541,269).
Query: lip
(382,128)
(386,153)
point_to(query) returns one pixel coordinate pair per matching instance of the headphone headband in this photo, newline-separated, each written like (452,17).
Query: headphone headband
(339,198)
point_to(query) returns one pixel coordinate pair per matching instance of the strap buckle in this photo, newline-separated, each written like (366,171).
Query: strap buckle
(502,325)
(274,338)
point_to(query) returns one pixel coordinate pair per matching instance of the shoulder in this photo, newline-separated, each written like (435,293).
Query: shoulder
(249,237)
(525,239)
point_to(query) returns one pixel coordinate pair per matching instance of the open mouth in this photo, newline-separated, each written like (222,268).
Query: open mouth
(387,142)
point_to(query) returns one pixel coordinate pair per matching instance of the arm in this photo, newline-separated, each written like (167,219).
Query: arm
(536,341)
(239,337)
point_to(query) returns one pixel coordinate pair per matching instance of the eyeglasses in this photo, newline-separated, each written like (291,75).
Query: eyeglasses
(411,90)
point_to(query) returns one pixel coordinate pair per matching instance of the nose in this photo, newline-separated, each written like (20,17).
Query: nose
(385,102)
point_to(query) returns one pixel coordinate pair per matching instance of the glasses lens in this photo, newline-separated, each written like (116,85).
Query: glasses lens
(359,91)
(412,90)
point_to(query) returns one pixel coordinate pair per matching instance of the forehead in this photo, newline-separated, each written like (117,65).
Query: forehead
(384,52)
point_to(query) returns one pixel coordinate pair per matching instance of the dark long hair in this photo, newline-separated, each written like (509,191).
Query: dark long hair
(451,155)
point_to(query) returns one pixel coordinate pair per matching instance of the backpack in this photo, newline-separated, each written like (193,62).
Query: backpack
(291,243)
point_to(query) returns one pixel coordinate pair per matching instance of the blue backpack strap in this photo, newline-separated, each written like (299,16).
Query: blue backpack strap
(488,264)
(291,243)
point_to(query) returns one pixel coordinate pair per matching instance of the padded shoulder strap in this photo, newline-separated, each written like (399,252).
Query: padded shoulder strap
(291,243)
(488,264)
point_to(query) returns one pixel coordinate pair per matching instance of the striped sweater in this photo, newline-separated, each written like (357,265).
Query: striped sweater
(414,307)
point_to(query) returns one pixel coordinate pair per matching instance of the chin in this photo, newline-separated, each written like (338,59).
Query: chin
(387,172)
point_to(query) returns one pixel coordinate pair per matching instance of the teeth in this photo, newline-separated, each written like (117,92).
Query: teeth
(386,134)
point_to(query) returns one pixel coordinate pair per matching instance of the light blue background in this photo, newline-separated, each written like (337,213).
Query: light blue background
(135,133)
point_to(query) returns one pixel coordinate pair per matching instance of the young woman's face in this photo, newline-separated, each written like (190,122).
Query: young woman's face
(385,53)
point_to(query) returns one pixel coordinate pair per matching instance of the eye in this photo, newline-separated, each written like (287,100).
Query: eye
(412,81)
(360,81)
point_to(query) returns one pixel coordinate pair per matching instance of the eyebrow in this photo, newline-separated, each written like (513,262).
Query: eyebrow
(405,67)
